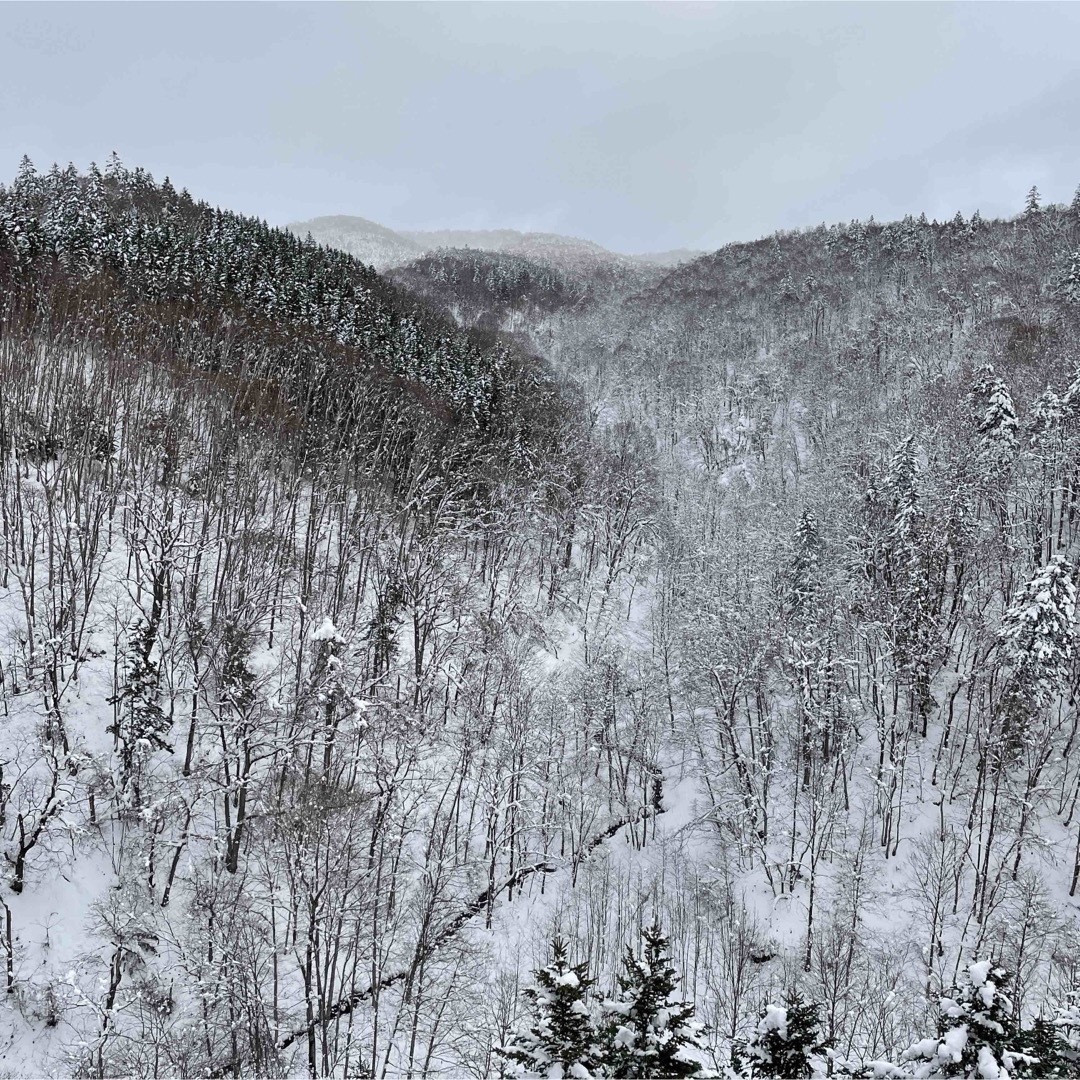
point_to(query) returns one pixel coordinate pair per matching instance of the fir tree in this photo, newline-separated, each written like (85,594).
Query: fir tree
(806,564)
(998,425)
(1033,203)
(648,1031)
(787,1042)
(977,1035)
(1067,287)
(1045,1048)
(560,1039)
(1052,1045)
(1037,631)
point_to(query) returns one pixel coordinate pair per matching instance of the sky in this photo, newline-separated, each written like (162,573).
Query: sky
(641,126)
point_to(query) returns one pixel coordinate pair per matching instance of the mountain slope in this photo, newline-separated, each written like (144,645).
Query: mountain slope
(347,657)
(386,249)
(365,240)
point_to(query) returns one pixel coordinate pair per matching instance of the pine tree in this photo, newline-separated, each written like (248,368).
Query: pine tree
(977,1035)
(1033,203)
(560,1040)
(787,1042)
(806,564)
(647,1033)
(1052,1045)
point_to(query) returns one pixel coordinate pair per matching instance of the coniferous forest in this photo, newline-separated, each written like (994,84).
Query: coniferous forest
(531,664)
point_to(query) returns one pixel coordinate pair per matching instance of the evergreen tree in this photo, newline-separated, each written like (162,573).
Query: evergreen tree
(1067,287)
(998,425)
(648,1032)
(1045,1048)
(977,1035)
(141,724)
(787,1042)
(806,564)
(560,1039)
(1052,1044)
(1033,203)
(1037,630)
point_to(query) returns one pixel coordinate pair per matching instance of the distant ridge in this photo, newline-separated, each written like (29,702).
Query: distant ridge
(365,240)
(387,249)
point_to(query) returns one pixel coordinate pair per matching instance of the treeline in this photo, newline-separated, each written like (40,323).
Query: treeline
(306,331)
(492,290)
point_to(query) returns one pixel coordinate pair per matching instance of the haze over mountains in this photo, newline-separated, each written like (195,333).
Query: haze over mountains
(385,249)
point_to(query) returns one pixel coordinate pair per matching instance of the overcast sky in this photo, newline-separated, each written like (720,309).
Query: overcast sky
(641,126)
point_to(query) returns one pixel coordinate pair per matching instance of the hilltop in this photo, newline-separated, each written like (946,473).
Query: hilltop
(386,249)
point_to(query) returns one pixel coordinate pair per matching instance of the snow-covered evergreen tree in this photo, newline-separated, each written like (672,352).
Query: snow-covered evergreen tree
(648,1030)
(1067,287)
(998,425)
(1044,1045)
(787,1042)
(805,566)
(1053,1042)
(977,1034)
(560,1039)
(1038,633)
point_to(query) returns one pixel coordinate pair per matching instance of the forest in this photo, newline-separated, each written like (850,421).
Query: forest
(507,666)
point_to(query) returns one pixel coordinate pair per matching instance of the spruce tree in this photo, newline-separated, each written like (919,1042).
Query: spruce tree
(141,725)
(977,1035)
(806,564)
(560,1038)
(1045,1050)
(787,1042)
(1067,286)
(649,1032)
(998,425)
(1037,633)
(1053,1042)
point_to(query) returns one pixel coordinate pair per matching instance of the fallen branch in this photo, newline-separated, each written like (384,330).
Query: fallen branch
(347,1004)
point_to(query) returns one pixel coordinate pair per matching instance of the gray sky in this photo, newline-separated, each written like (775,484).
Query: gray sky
(641,126)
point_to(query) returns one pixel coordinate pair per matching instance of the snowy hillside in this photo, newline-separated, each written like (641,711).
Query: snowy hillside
(365,240)
(513,670)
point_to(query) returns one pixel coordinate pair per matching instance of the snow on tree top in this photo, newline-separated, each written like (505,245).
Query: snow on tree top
(775,1019)
(326,631)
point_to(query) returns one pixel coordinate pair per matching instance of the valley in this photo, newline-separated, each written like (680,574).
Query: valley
(377,608)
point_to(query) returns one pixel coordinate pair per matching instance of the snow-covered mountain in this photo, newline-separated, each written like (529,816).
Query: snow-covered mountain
(365,240)
(498,663)
(384,248)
